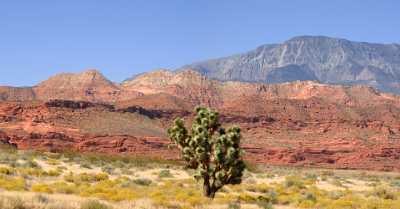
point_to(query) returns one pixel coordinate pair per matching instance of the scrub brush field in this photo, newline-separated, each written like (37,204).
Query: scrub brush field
(39,180)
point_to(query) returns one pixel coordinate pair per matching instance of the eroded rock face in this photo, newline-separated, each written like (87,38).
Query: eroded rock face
(8,93)
(299,123)
(278,140)
(89,85)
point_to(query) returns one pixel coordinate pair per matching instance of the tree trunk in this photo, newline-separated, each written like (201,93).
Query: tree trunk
(206,186)
(208,190)
(212,194)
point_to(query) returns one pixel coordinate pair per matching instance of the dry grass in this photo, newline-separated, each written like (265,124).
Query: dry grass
(29,180)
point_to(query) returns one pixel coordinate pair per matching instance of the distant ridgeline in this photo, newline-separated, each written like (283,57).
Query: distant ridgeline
(318,58)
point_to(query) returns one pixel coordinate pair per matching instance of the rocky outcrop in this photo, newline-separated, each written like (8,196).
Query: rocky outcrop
(75,104)
(299,123)
(283,138)
(89,85)
(8,93)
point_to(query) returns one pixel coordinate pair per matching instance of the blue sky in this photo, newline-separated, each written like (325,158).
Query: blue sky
(123,37)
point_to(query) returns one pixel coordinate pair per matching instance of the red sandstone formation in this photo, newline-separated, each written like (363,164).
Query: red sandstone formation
(299,123)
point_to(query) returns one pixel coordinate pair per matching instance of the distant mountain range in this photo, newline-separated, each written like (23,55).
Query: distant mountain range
(317,58)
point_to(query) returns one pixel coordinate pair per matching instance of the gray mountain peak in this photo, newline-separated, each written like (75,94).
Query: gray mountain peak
(319,58)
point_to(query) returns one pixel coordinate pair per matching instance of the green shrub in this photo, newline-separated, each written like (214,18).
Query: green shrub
(126,171)
(165,174)
(395,183)
(64,188)
(142,181)
(41,198)
(43,188)
(108,169)
(85,165)
(294,181)
(53,162)
(234,205)
(384,193)
(53,173)
(94,204)
(7,171)
(270,196)
(12,184)
(108,190)
(172,192)
(335,195)
(27,171)
(29,164)
(85,177)
(264,204)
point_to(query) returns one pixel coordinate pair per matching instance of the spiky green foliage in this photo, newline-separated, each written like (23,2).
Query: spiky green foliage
(214,152)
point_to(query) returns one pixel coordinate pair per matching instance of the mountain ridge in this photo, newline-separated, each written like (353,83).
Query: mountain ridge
(322,58)
(92,86)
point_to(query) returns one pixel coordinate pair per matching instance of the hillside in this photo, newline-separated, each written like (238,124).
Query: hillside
(303,123)
(88,85)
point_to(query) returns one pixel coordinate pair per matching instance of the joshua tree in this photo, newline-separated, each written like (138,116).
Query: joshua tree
(214,152)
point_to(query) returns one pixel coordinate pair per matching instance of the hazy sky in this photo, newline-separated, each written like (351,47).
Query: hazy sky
(39,38)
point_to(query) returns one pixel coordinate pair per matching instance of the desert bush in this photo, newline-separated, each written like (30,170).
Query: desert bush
(61,168)
(85,177)
(36,172)
(85,165)
(395,183)
(306,200)
(172,191)
(62,187)
(94,204)
(108,169)
(101,176)
(41,198)
(311,176)
(12,183)
(53,173)
(165,174)
(43,188)
(234,205)
(142,182)
(8,159)
(108,190)
(294,181)
(337,182)
(53,162)
(384,193)
(29,164)
(58,187)
(347,201)
(260,188)
(7,171)
(327,173)
(269,196)
(126,171)
(264,204)
(335,195)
